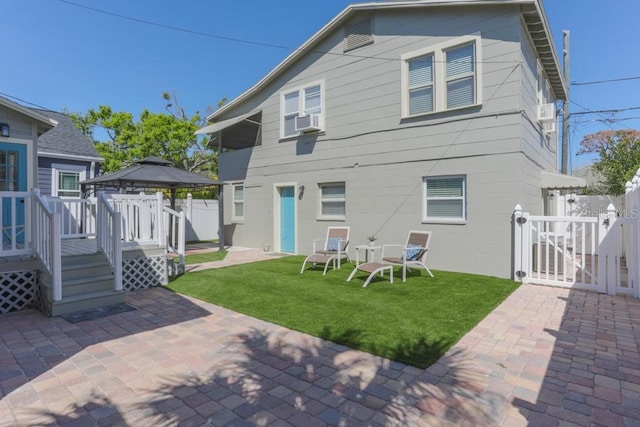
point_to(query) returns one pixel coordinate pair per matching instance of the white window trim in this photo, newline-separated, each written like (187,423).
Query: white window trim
(440,74)
(56,168)
(322,217)
(299,89)
(235,217)
(445,220)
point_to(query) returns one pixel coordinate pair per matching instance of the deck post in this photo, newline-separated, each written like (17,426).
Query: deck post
(100,224)
(162,233)
(117,251)
(56,256)
(181,238)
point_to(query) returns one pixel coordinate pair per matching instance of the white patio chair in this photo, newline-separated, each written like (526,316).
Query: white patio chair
(331,250)
(414,253)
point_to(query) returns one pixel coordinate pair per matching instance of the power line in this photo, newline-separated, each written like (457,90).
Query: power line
(600,114)
(611,120)
(170,27)
(622,79)
(613,111)
(6,95)
(245,41)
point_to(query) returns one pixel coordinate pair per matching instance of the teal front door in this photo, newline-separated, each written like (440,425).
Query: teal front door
(13,177)
(287,220)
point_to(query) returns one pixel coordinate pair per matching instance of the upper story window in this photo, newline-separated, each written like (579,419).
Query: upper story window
(238,201)
(66,179)
(443,77)
(421,85)
(543,86)
(445,199)
(461,76)
(307,101)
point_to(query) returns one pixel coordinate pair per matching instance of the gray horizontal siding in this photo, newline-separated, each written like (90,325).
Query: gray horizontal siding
(382,201)
(542,149)
(383,158)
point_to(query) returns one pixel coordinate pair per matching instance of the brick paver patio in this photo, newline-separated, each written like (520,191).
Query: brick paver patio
(544,357)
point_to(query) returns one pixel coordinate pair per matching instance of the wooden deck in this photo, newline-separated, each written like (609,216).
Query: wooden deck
(73,247)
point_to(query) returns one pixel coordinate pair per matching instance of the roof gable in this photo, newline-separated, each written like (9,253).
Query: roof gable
(532,12)
(44,121)
(65,138)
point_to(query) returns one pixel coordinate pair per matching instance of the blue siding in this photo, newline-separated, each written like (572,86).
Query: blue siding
(44,171)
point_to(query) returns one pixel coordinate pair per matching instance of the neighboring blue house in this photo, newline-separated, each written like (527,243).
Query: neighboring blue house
(65,158)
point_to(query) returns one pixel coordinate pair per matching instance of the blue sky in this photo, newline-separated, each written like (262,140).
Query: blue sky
(59,56)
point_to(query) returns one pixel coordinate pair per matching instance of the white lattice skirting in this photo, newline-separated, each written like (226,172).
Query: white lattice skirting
(18,290)
(143,272)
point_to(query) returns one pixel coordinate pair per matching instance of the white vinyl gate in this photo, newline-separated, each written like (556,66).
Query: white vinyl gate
(597,253)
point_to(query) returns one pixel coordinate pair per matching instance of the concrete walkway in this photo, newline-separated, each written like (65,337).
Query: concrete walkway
(235,256)
(545,357)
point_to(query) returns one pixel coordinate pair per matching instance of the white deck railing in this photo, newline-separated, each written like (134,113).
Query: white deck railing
(34,225)
(109,237)
(174,232)
(15,208)
(145,219)
(141,216)
(77,216)
(46,241)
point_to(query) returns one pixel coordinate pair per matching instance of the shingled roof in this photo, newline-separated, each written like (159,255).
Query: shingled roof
(65,139)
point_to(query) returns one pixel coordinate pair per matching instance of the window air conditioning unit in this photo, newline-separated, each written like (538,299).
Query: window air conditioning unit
(547,112)
(308,123)
(549,127)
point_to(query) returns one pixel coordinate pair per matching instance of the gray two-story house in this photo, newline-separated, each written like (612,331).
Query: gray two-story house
(430,115)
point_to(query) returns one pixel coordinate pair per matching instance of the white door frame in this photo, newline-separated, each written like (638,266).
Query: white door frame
(276,215)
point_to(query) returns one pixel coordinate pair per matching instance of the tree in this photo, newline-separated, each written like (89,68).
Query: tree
(121,139)
(619,152)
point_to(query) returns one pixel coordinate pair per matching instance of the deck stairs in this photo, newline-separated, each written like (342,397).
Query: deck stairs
(87,283)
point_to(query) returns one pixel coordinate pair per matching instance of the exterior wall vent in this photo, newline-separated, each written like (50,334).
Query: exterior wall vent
(358,33)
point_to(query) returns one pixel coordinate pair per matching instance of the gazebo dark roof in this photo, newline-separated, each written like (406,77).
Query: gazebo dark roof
(152,172)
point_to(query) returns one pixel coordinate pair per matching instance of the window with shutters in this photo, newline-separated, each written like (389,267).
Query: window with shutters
(441,78)
(445,199)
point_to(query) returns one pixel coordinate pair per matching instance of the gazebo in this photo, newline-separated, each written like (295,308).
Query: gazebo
(154,172)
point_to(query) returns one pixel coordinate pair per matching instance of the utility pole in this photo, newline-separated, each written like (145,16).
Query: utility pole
(565,106)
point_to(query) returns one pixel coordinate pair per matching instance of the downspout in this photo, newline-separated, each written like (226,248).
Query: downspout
(220,200)
(565,106)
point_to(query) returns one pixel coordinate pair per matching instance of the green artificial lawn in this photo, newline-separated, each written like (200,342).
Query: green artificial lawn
(414,322)
(205,257)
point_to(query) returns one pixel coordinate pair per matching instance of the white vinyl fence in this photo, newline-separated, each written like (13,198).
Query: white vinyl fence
(202,218)
(78,216)
(596,252)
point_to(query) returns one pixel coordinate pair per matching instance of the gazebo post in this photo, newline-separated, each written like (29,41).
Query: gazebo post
(220,217)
